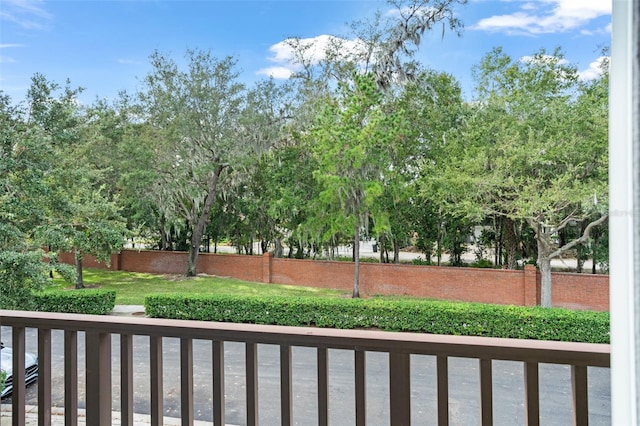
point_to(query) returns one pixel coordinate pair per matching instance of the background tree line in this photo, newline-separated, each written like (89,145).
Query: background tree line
(362,143)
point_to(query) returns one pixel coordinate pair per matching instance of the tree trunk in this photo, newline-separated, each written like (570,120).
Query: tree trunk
(510,242)
(543,241)
(544,263)
(546,253)
(164,243)
(202,222)
(279,250)
(593,253)
(396,251)
(356,255)
(78,262)
(439,244)
(579,262)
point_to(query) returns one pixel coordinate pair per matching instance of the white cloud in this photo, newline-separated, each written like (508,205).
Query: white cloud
(8,59)
(546,16)
(28,14)
(279,73)
(314,51)
(281,52)
(594,70)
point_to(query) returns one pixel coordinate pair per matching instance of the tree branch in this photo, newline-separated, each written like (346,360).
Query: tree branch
(583,238)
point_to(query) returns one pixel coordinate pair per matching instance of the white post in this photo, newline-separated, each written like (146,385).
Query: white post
(624,220)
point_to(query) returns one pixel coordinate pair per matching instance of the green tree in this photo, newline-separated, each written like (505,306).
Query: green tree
(90,224)
(353,140)
(523,153)
(433,104)
(194,114)
(35,138)
(80,214)
(24,163)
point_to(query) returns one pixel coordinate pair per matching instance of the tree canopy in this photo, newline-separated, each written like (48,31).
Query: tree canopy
(361,143)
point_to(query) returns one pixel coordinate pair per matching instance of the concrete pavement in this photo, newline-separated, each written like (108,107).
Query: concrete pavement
(57,417)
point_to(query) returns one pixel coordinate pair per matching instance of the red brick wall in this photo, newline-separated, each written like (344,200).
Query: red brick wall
(574,291)
(91,262)
(154,262)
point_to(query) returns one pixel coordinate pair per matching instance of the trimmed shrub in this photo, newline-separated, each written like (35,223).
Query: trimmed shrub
(435,317)
(85,301)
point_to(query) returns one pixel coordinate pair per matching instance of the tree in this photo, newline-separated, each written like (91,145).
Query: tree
(194,114)
(364,72)
(81,215)
(524,153)
(24,162)
(90,224)
(433,104)
(263,126)
(353,140)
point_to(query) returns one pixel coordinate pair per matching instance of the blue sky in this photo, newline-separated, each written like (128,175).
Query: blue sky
(104,46)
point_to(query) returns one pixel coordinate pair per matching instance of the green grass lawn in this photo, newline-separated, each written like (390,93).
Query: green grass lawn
(132,287)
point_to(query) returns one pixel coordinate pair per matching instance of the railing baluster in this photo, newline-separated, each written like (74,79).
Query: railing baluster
(486,392)
(532,394)
(399,348)
(70,378)
(126,379)
(400,388)
(218,383)
(155,367)
(442,376)
(361,387)
(323,387)
(580,395)
(44,377)
(251,365)
(18,392)
(186,381)
(98,378)
(286,408)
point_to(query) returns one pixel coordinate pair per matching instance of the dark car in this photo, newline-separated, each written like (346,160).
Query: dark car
(6,364)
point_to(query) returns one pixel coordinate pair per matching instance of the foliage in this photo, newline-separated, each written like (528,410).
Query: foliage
(194,115)
(86,301)
(482,263)
(524,152)
(353,141)
(461,319)
(21,274)
(25,161)
(361,142)
(3,377)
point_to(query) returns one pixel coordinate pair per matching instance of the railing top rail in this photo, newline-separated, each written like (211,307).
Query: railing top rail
(597,355)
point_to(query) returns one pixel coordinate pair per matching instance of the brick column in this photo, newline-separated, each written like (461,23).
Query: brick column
(115,262)
(530,277)
(266,267)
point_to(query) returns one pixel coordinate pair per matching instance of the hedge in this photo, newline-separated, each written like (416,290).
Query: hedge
(85,301)
(436,317)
